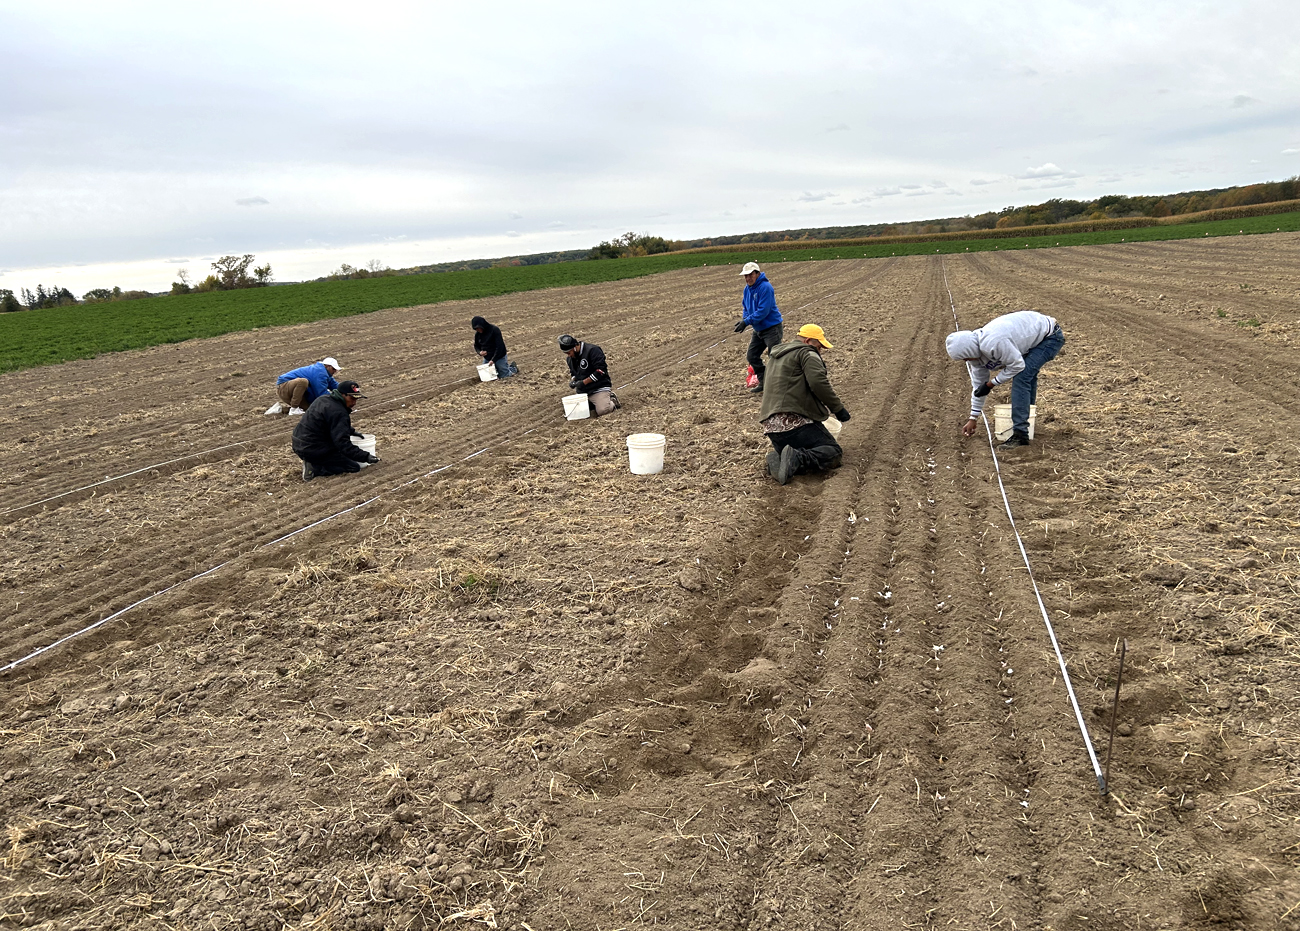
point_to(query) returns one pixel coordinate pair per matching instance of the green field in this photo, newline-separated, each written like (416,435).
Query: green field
(44,337)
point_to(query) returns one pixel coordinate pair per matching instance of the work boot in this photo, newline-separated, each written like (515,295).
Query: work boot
(788,466)
(307,473)
(773,463)
(296,410)
(1018,438)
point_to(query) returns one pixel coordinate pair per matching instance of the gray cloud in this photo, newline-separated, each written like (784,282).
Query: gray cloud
(130,144)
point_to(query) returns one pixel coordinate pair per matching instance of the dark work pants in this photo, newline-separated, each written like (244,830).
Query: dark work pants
(333,465)
(767,339)
(817,449)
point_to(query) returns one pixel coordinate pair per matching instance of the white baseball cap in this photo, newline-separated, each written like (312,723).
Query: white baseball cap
(332,363)
(749,267)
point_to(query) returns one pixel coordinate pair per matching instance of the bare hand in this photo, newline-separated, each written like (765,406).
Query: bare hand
(969,427)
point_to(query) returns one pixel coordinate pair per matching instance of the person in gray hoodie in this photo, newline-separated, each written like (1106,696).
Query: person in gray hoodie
(1011,348)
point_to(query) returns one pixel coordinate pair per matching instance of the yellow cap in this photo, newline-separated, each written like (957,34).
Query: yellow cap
(813,331)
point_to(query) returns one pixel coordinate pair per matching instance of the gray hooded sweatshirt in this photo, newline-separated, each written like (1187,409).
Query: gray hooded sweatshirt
(999,344)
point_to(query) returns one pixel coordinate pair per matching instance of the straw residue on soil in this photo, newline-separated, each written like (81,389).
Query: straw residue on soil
(535,691)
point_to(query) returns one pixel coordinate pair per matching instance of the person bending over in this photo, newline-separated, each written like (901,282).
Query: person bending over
(758,301)
(297,389)
(1014,346)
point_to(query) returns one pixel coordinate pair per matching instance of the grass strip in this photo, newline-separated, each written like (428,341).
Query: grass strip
(59,334)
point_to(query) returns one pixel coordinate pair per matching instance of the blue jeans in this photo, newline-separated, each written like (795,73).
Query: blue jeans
(505,368)
(1024,387)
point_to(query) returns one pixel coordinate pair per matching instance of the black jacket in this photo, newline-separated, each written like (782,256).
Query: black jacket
(590,363)
(325,431)
(489,341)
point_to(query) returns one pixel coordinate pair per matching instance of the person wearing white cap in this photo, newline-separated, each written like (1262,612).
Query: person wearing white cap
(760,312)
(298,388)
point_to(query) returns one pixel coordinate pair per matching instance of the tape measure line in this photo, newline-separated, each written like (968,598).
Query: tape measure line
(1051,631)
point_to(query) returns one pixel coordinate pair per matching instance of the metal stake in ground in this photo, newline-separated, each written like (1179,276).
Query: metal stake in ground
(1114,714)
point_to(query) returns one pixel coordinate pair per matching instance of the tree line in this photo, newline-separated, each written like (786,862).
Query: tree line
(1057,210)
(230,272)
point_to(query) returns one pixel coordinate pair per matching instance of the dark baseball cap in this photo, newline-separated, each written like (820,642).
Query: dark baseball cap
(350,387)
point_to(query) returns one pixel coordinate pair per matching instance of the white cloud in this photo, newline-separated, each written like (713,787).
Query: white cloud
(1291,151)
(1046,170)
(838,128)
(1242,100)
(251,201)
(980,182)
(807,197)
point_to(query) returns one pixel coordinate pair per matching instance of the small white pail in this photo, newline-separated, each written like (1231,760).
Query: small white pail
(576,407)
(1002,428)
(365,442)
(833,426)
(645,452)
(487,371)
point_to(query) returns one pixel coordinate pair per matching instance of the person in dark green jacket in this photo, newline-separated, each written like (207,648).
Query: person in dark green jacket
(797,397)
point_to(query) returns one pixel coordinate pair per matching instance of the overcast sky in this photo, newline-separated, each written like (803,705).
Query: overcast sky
(140,138)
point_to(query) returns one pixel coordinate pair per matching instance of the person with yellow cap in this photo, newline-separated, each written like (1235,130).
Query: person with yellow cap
(797,397)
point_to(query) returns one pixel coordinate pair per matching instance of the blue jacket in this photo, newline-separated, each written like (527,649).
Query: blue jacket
(319,381)
(759,301)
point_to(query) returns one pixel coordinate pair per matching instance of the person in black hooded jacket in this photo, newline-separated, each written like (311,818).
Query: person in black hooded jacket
(489,343)
(322,437)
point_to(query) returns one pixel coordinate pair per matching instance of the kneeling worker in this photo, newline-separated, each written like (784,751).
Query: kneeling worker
(491,347)
(297,389)
(590,374)
(797,397)
(1016,346)
(323,438)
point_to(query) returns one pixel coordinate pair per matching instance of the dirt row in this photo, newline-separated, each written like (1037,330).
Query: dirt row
(534,691)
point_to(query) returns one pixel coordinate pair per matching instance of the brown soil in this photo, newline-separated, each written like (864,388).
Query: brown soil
(534,691)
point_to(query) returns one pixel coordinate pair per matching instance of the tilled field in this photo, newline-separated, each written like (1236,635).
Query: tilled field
(515,686)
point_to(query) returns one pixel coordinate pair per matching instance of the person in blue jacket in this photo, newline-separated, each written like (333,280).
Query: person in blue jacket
(760,312)
(297,389)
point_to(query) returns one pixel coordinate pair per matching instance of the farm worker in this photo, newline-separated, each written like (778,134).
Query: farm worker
(798,397)
(489,344)
(302,386)
(323,437)
(760,312)
(590,374)
(1015,346)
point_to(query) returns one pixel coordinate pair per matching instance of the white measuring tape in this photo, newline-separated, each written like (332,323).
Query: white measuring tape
(1051,632)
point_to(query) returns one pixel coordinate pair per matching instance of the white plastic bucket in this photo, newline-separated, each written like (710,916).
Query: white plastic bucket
(487,371)
(1002,428)
(576,407)
(833,425)
(645,452)
(366,442)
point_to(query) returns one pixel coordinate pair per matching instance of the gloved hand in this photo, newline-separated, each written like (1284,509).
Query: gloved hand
(983,389)
(575,382)
(371,458)
(740,327)
(842,415)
